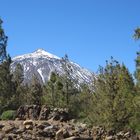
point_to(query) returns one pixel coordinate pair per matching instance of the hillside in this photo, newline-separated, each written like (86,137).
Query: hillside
(42,63)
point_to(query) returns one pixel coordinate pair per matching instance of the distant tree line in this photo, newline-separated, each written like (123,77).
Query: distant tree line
(113,103)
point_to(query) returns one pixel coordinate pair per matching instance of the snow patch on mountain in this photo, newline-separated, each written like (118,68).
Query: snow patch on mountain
(42,63)
(40,53)
(40,72)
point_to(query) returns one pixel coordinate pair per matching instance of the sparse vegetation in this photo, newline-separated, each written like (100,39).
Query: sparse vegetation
(8,115)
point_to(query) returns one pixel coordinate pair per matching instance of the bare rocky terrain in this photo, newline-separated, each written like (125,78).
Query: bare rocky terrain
(54,124)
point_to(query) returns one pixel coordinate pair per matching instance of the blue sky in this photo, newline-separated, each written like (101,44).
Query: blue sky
(89,31)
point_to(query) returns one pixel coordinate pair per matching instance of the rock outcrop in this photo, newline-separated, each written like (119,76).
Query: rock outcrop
(36,112)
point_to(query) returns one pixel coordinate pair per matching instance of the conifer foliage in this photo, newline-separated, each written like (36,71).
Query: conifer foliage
(135,122)
(35,92)
(112,101)
(6,84)
(18,77)
(3,43)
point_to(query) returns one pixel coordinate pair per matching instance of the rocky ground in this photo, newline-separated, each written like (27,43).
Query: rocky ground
(43,130)
(42,123)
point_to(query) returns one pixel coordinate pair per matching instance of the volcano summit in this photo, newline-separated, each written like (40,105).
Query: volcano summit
(42,63)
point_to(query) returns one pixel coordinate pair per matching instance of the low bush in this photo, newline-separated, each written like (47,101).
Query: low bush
(8,115)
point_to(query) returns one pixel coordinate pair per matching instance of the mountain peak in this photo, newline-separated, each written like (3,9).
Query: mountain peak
(42,64)
(39,53)
(40,50)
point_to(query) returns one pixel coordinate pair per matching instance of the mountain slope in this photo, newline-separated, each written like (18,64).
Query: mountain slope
(42,63)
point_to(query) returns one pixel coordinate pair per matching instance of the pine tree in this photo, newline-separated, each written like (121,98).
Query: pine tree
(7,88)
(68,85)
(6,84)
(137,34)
(34,96)
(18,77)
(137,72)
(61,97)
(51,89)
(81,102)
(136,102)
(3,43)
(112,102)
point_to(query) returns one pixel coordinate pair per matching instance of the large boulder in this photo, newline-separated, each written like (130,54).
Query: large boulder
(44,113)
(28,124)
(36,112)
(28,112)
(60,114)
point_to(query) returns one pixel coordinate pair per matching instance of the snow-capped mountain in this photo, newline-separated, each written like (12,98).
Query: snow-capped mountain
(42,63)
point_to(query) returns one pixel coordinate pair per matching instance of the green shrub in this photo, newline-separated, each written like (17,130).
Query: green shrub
(8,115)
